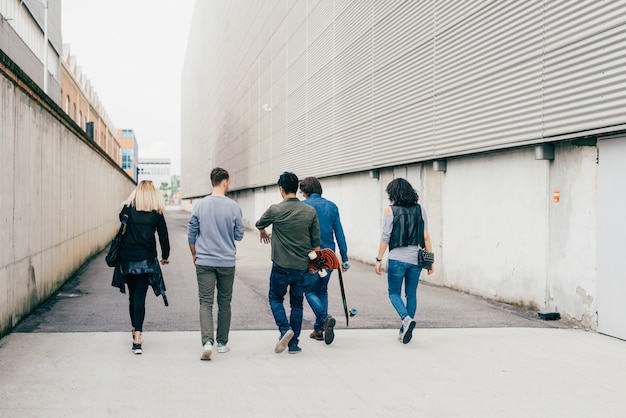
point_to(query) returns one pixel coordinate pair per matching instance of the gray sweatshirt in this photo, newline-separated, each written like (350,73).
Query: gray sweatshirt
(215,224)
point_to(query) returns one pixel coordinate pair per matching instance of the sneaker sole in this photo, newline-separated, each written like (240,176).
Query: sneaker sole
(137,351)
(206,354)
(409,333)
(329,332)
(223,350)
(284,342)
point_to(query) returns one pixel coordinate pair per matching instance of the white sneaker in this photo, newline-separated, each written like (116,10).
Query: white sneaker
(222,348)
(408,324)
(284,341)
(207,350)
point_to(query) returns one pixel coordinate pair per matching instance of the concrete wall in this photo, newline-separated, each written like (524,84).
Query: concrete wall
(504,236)
(495,227)
(59,198)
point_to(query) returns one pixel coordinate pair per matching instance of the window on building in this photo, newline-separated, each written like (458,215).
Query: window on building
(67,104)
(127,159)
(128,134)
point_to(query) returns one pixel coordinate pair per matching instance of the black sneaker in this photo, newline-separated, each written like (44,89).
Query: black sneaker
(329,329)
(137,349)
(294,349)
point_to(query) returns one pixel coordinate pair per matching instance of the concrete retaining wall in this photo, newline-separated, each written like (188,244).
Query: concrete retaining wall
(496,230)
(59,197)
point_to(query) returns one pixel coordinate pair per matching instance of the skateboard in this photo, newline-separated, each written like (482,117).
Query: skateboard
(326,259)
(344,298)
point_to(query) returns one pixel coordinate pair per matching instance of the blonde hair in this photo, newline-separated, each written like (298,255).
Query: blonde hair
(146,198)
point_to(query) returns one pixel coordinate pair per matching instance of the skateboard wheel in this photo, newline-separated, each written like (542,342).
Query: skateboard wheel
(312,255)
(353,312)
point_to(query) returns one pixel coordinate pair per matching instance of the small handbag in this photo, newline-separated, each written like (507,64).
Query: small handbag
(113,256)
(425,259)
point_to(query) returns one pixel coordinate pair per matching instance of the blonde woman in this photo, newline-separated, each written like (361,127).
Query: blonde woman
(139,263)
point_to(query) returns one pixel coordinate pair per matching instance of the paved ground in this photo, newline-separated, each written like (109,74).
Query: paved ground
(469,357)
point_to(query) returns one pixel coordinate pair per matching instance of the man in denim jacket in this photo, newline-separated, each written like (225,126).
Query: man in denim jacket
(330,230)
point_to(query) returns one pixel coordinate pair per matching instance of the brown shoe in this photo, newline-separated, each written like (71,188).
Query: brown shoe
(319,336)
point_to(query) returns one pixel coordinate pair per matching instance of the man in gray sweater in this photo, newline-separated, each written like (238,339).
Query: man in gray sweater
(215,224)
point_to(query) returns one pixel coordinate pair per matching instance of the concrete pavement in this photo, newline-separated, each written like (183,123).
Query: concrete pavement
(469,357)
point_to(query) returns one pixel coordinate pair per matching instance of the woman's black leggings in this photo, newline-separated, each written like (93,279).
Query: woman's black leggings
(137,290)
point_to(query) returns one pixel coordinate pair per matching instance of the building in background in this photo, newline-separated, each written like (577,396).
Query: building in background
(158,170)
(80,101)
(507,117)
(128,143)
(30,34)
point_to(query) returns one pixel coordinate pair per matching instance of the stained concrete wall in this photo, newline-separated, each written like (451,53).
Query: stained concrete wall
(59,198)
(496,230)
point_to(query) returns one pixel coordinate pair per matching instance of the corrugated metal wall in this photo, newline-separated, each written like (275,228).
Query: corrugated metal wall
(585,66)
(330,87)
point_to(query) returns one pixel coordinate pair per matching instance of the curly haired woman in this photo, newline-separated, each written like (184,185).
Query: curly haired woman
(405,231)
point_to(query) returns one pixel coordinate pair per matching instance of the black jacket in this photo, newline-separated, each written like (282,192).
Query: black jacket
(151,267)
(408,227)
(139,242)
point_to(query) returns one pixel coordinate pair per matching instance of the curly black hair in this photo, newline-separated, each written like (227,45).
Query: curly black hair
(401,193)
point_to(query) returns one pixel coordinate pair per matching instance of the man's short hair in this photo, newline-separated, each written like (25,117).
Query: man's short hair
(289,182)
(218,175)
(310,185)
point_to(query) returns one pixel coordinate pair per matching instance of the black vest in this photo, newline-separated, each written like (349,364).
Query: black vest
(408,227)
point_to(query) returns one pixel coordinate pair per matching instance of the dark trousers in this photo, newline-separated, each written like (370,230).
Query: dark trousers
(137,290)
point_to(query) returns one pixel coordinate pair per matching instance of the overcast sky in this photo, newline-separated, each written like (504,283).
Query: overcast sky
(132,51)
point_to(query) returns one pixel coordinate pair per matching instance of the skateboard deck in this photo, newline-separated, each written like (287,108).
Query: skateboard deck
(344,298)
(326,259)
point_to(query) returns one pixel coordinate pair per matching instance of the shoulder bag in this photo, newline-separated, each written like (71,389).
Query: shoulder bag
(113,256)
(425,259)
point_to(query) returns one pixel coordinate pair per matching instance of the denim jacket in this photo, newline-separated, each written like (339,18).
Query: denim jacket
(330,224)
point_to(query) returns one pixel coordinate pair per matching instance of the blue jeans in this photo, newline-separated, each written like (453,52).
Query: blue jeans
(281,280)
(317,296)
(397,273)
